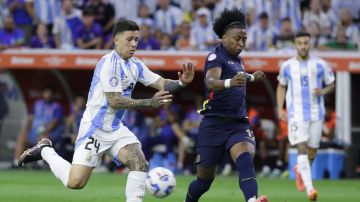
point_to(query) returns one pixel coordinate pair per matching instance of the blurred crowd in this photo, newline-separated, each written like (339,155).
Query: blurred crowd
(176,24)
(168,135)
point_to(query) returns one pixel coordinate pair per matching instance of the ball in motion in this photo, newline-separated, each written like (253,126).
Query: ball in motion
(160,182)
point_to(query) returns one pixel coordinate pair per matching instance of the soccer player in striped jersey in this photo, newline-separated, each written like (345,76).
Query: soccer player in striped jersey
(304,79)
(101,128)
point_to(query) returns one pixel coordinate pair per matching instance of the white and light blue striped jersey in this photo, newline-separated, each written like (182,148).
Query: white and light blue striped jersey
(46,10)
(301,79)
(113,74)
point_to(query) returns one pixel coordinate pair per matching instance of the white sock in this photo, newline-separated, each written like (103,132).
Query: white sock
(135,186)
(305,171)
(59,166)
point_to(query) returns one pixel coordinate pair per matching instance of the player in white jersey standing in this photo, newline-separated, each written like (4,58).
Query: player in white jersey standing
(101,127)
(305,80)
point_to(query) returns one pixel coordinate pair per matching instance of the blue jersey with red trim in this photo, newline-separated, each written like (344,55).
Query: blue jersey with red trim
(227,103)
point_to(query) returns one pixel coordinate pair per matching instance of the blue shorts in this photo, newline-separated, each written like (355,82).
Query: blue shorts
(217,135)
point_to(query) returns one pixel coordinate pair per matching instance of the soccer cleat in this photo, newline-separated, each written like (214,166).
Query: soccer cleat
(313,195)
(262,199)
(299,182)
(34,153)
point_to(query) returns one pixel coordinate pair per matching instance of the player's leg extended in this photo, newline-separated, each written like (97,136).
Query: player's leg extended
(132,156)
(242,154)
(205,176)
(74,177)
(303,166)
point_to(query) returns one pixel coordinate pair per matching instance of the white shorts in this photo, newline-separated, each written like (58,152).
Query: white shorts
(92,142)
(305,131)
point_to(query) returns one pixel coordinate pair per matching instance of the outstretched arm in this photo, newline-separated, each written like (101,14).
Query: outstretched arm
(185,77)
(117,101)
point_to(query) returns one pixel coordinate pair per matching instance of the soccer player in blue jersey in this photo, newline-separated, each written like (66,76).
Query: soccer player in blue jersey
(101,128)
(225,128)
(304,80)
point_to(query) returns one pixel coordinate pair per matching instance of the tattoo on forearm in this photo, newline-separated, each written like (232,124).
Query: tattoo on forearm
(116,100)
(172,86)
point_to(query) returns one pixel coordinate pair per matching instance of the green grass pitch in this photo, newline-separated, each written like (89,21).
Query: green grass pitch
(41,186)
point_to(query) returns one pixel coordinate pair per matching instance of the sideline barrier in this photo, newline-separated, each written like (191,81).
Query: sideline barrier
(162,60)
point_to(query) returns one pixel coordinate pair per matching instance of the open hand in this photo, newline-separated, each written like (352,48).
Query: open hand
(188,73)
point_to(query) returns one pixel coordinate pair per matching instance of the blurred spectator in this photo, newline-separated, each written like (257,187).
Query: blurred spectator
(282,140)
(42,39)
(183,40)
(284,41)
(168,18)
(202,36)
(147,41)
(44,11)
(89,34)
(256,7)
(351,29)
(4,107)
(330,13)
(315,14)
(65,25)
(190,15)
(340,42)
(73,120)
(352,5)
(316,38)
(144,16)
(80,4)
(44,121)
(169,133)
(3,12)
(125,8)
(109,41)
(21,17)
(10,35)
(290,9)
(166,43)
(152,4)
(104,13)
(135,121)
(328,137)
(191,128)
(261,34)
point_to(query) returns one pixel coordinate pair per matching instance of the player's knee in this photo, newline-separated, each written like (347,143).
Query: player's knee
(76,184)
(140,165)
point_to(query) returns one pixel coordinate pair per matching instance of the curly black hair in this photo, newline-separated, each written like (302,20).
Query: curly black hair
(229,19)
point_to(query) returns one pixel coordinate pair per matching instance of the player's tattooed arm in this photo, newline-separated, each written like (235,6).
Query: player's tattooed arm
(167,85)
(185,77)
(116,100)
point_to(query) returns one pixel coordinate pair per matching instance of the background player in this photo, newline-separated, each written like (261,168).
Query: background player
(302,78)
(101,127)
(225,127)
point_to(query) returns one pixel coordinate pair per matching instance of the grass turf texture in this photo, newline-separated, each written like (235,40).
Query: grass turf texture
(41,186)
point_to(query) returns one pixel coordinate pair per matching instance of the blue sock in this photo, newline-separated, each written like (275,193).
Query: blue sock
(197,188)
(247,179)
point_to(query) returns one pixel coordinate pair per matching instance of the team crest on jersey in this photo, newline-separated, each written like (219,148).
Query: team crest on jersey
(212,57)
(113,81)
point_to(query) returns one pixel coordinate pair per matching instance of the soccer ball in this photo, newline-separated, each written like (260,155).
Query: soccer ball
(160,182)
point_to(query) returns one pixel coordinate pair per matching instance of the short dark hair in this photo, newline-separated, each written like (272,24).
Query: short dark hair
(229,19)
(285,19)
(301,34)
(88,11)
(125,25)
(263,15)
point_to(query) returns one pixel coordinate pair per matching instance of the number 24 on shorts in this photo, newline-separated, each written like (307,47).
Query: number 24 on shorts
(92,141)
